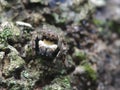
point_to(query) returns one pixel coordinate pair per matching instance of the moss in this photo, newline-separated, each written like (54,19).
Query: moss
(13,84)
(98,22)
(61,83)
(5,34)
(79,54)
(91,73)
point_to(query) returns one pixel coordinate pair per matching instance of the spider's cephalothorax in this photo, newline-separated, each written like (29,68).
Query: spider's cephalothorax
(49,42)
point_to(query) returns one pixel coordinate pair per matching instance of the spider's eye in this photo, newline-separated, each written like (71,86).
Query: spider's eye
(47,48)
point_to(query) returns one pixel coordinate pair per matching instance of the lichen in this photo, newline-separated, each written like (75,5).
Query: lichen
(12,62)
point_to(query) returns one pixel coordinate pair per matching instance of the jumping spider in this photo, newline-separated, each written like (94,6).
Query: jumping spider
(49,42)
